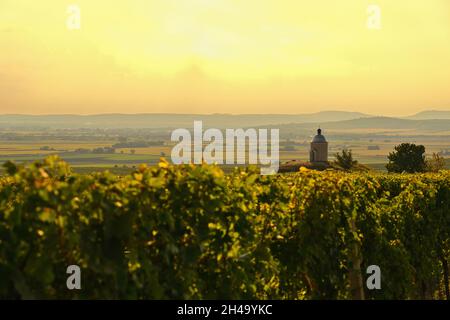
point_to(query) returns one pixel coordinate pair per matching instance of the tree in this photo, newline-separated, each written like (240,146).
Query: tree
(345,160)
(133,151)
(436,163)
(407,157)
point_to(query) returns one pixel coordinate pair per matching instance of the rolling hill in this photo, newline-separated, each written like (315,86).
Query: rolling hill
(427,120)
(160,120)
(430,114)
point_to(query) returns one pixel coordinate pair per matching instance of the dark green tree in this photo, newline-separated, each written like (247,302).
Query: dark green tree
(345,160)
(407,157)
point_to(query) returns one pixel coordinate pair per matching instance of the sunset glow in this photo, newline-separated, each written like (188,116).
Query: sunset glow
(224,56)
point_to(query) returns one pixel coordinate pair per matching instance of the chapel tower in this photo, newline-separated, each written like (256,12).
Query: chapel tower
(319,148)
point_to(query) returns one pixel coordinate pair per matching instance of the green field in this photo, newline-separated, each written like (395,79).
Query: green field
(29,146)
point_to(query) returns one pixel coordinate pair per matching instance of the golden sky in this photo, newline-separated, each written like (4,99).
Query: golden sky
(224,56)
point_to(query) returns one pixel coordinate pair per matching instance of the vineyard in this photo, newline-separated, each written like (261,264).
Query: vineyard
(193,232)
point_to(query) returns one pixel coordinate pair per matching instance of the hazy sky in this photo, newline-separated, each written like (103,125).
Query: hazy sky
(224,56)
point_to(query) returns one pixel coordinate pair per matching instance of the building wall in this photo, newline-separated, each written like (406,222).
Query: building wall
(319,152)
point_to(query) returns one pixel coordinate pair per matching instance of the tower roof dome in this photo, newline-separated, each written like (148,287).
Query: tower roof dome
(319,137)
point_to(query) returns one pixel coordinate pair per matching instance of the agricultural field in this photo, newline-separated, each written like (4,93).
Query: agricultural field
(125,159)
(120,160)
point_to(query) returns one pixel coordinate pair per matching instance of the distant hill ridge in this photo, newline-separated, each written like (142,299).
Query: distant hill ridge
(430,114)
(426,120)
(391,123)
(167,120)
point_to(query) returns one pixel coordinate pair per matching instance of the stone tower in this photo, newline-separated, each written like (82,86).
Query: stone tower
(319,148)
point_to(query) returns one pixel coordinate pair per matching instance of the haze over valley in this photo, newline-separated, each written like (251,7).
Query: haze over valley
(120,142)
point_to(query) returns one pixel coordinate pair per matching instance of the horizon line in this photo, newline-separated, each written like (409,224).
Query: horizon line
(215,114)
